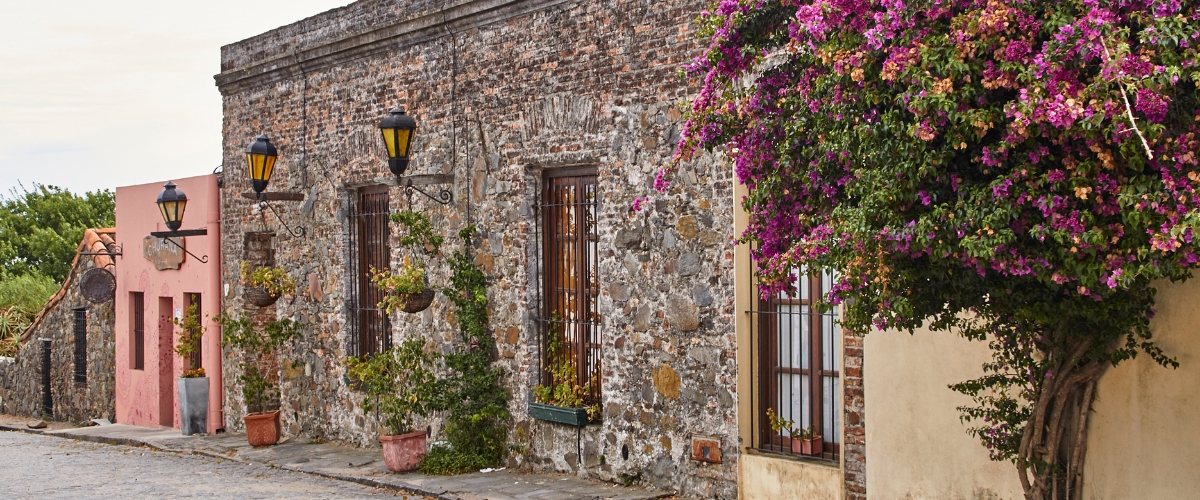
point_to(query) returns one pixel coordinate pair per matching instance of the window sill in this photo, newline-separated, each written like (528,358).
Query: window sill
(832,464)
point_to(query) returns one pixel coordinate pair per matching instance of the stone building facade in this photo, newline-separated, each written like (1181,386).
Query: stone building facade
(77,394)
(506,93)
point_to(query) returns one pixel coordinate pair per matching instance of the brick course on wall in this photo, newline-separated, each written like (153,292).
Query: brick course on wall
(501,91)
(21,377)
(854,448)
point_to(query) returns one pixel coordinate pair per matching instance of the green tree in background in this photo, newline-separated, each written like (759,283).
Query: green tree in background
(40,229)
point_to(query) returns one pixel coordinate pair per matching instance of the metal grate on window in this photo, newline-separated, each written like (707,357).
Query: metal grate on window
(139,330)
(569,285)
(798,367)
(81,345)
(368,246)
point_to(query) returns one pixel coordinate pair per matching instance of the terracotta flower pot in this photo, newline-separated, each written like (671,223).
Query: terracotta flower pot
(262,429)
(812,446)
(404,452)
(417,302)
(259,296)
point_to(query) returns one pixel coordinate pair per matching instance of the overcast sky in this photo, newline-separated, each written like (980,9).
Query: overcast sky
(99,94)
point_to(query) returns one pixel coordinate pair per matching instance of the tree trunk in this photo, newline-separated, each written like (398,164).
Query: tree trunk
(1054,444)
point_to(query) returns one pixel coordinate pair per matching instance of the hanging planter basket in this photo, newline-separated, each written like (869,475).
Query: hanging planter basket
(417,302)
(259,296)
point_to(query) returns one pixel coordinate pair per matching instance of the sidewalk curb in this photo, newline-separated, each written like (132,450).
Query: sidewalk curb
(369,481)
(366,481)
(26,430)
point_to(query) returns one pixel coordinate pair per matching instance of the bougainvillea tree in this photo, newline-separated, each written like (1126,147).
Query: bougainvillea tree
(1020,172)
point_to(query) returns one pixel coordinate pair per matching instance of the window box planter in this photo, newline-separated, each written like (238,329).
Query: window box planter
(550,413)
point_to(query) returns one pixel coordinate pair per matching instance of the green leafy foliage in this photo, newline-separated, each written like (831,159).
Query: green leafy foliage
(191,330)
(475,403)
(1021,173)
(563,389)
(419,231)
(398,286)
(398,383)
(780,424)
(21,298)
(259,348)
(40,229)
(273,279)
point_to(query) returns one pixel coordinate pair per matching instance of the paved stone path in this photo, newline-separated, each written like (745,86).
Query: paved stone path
(44,467)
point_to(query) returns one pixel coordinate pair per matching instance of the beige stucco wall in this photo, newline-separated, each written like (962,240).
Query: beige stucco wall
(1144,440)
(916,446)
(762,477)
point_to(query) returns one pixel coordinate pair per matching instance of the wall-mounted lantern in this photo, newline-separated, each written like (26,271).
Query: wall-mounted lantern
(172,202)
(260,160)
(397,129)
(260,164)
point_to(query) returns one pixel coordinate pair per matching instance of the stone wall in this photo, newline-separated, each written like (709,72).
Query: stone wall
(502,92)
(21,377)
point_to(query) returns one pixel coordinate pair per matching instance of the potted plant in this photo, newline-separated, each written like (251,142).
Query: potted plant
(264,285)
(192,384)
(398,385)
(802,442)
(562,400)
(260,371)
(406,290)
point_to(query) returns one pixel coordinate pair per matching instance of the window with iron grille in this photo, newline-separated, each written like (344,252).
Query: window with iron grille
(138,329)
(567,260)
(81,345)
(193,299)
(369,324)
(798,369)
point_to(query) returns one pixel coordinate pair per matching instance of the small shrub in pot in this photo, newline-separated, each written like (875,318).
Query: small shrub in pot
(398,384)
(259,380)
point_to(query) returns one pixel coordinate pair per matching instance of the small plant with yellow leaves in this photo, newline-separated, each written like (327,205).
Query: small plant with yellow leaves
(272,279)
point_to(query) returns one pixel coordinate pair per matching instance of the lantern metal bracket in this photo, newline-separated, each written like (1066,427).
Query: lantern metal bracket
(113,254)
(443,196)
(168,235)
(274,196)
(295,234)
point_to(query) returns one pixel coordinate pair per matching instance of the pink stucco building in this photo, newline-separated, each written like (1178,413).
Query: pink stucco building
(153,286)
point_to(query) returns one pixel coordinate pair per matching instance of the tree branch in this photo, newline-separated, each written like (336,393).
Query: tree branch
(1129,110)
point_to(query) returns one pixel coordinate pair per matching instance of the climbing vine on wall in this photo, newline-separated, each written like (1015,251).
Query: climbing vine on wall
(471,394)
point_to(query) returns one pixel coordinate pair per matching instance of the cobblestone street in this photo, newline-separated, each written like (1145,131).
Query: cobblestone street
(50,467)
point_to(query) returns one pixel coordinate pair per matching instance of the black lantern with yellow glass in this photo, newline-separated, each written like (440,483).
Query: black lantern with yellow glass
(172,203)
(260,162)
(397,129)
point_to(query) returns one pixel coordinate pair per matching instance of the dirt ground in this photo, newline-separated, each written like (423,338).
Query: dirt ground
(15,421)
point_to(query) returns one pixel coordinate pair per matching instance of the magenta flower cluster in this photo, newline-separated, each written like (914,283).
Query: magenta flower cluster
(961,156)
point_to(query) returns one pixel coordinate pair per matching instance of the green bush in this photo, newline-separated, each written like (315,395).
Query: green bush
(28,292)
(21,298)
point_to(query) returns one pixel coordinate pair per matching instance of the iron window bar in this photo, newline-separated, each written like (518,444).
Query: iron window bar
(368,237)
(804,353)
(567,273)
(81,345)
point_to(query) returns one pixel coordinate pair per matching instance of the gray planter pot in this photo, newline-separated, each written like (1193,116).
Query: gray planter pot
(193,405)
